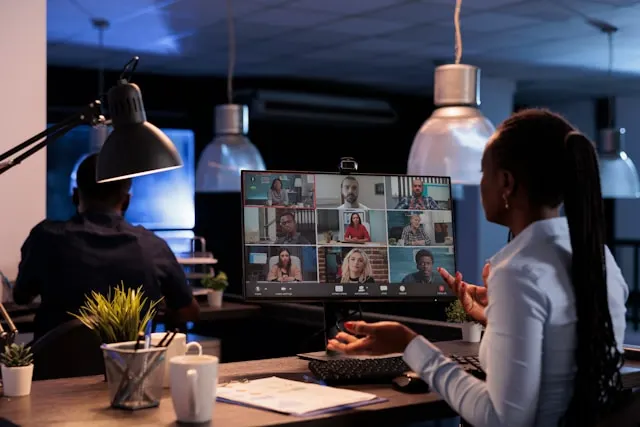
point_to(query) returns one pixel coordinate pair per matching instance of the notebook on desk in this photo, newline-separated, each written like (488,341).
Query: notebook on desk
(293,397)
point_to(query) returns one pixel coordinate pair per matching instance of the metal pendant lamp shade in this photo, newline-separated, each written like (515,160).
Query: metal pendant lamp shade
(135,147)
(229,153)
(618,173)
(452,140)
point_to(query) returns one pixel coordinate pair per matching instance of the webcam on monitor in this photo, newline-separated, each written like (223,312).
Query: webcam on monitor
(348,165)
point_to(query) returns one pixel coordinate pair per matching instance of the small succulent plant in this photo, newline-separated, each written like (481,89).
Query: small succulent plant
(16,355)
(217,283)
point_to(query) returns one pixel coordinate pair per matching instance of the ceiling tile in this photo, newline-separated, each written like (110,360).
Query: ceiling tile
(275,48)
(427,34)
(200,43)
(414,13)
(489,21)
(548,10)
(288,17)
(315,38)
(622,3)
(477,4)
(337,54)
(363,26)
(63,54)
(193,14)
(383,45)
(345,7)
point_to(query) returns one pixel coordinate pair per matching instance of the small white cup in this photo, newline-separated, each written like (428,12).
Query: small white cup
(178,347)
(193,387)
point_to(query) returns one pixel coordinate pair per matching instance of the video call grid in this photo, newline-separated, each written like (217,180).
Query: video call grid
(306,201)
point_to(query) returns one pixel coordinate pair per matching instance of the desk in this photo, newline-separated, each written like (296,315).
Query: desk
(84,401)
(229,310)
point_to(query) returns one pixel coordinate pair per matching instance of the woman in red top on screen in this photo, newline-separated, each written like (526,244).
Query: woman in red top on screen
(356,232)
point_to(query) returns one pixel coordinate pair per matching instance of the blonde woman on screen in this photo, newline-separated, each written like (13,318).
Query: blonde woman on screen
(356,268)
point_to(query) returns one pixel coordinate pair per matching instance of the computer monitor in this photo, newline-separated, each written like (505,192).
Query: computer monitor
(326,237)
(162,201)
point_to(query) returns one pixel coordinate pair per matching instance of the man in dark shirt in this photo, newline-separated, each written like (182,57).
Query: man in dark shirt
(424,270)
(97,249)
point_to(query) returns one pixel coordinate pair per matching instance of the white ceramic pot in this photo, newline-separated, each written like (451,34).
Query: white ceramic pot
(471,332)
(214,298)
(17,381)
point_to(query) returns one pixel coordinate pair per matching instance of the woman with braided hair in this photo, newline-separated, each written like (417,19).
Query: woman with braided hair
(555,298)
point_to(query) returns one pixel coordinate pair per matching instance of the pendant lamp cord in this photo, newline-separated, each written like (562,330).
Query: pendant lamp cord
(610,99)
(232,51)
(456,21)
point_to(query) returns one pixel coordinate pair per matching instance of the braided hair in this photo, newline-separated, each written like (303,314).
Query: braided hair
(554,163)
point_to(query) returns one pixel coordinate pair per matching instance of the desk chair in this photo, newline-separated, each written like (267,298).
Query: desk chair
(294,261)
(627,416)
(70,350)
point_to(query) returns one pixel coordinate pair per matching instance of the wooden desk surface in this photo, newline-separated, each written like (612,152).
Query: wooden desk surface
(84,401)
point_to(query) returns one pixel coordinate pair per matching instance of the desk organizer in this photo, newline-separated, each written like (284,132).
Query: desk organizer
(134,376)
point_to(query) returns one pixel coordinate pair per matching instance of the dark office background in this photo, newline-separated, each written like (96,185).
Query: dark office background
(188,103)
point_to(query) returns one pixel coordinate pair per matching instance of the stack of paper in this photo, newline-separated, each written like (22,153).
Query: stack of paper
(293,397)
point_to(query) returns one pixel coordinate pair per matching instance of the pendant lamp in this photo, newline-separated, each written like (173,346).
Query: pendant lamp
(618,173)
(452,140)
(229,153)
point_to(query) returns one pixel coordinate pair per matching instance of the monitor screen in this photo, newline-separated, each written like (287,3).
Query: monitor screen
(162,201)
(321,236)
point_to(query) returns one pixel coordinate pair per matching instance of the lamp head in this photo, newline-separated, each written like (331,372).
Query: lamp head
(135,147)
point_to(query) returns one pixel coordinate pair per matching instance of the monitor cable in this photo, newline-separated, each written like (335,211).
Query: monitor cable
(351,315)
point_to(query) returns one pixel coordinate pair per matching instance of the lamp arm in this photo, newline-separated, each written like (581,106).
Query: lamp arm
(5,315)
(91,115)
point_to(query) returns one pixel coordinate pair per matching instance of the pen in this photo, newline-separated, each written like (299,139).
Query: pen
(172,337)
(140,337)
(164,338)
(147,336)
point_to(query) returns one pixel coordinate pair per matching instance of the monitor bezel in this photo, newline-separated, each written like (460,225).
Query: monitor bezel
(340,299)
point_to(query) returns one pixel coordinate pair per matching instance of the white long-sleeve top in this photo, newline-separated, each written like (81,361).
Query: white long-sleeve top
(528,349)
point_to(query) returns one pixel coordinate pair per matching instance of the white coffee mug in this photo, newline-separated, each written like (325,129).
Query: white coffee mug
(178,347)
(193,387)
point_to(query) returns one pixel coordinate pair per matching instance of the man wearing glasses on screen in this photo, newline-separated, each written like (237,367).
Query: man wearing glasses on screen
(290,230)
(417,200)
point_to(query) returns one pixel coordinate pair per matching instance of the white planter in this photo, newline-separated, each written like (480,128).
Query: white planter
(17,381)
(214,298)
(471,332)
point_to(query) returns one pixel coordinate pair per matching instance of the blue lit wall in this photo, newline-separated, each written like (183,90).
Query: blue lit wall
(162,201)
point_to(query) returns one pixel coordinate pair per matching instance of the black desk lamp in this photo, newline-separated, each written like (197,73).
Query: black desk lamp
(135,147)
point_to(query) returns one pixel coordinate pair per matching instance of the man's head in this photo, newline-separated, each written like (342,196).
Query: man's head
(349,189)
(424,262)
(106,197)
(417,187)
(288,223)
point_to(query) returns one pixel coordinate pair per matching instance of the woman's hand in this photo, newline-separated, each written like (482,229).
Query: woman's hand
(474,298)
(377,338)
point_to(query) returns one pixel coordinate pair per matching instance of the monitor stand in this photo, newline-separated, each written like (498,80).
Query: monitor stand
(335,314)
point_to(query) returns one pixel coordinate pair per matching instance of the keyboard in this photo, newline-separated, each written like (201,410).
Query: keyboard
(377,370)
(471,364)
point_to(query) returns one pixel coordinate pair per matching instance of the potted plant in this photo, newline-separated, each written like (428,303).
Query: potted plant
(17,370)
(119,317)
(216,285)
(471,330)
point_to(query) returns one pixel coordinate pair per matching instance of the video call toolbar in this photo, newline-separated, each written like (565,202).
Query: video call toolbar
(324,236)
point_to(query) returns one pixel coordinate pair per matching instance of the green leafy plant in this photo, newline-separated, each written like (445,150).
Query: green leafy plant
(456,314)
(117,318)
(217,283)
(16,355)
